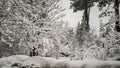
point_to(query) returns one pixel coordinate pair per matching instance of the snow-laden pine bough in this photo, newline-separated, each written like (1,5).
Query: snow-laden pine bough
(22,61)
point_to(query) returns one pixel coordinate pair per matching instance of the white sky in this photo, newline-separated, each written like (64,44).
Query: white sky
(74,18)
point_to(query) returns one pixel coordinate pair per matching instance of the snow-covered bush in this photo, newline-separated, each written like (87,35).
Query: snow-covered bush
(110,38)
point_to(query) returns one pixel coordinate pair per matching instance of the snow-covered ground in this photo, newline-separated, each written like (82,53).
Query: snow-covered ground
(22,61)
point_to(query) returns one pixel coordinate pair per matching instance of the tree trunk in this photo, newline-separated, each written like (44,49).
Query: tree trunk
(86,16)
(33,52)
(117,23)
(0,32)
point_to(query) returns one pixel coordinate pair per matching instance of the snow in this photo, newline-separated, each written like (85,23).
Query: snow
(37,61)
(19,61)
(7,61)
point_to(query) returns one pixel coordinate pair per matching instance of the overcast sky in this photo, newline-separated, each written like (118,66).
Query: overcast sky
(74,18)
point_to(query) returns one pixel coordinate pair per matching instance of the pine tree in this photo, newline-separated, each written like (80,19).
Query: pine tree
(104,3)
(83,5)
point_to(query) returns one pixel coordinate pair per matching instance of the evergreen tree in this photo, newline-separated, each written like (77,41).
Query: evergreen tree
(83,5)
(104,3)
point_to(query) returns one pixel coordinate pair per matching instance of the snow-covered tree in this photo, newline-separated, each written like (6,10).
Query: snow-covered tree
(34,25)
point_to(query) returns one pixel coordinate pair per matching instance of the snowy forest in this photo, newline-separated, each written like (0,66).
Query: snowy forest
(34,34)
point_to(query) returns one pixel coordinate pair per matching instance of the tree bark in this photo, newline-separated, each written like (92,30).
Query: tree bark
(117,23)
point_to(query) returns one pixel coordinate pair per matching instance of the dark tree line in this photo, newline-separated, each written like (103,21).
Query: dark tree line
(86,4)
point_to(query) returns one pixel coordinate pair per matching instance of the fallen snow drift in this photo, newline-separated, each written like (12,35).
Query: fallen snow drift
(22,61)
